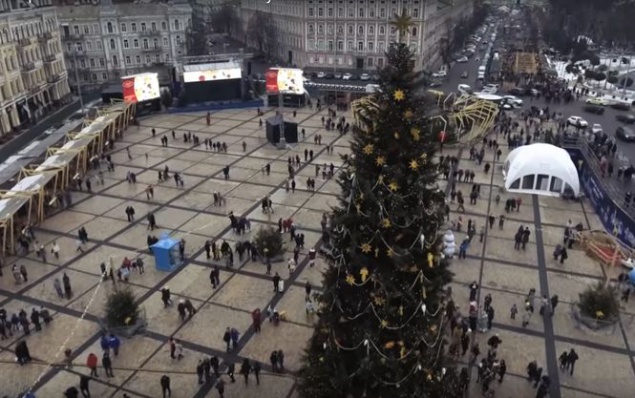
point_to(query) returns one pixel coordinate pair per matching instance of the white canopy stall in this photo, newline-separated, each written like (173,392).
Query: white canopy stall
(541,169)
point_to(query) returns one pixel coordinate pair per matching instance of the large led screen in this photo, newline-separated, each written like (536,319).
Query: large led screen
(284,80)
(141,87)
(212,75)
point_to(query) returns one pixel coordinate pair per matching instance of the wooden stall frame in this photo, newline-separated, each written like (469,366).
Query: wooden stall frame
(24,173)
(8,224)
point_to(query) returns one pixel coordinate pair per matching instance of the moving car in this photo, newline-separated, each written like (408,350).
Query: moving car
(321,75)
(621,106)
(464,75)
(462,60)
(517,91)
(597,128)
(597,101)
(464,89)
(347,76)
(440,73)
(596,109)
(515,101)
(628,119)
(625,134)
(577,121)
(435,84)
(364,77)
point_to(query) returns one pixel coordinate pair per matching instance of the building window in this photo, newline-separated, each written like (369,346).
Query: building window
(102,62)
(138,59)
(109,27)
(133,26)
(415,13)
(380,62)
(311,28)
(155,43)
(69,47)
(91,62)
(128,60)
(371,13)
(369,62)
(360,46)
(177,26)
(148,60)
(330,12)
(351,12)
(320,29)
(99,46)
(320,45)
(178,40)
(371,46)
(380,46)
(164,26)
(331,45)
(76,30)
(86,29)
(382,13)
(414,31)
(310,11)
(361,13)
(115,61)
(371,30)
(340,29)
(143,26)
(382,30)
(78,46)
(165,42)
(311,44)
(340,12)
(113,45)
(94,76)
(320,12)
(95,29)
(153,26)
(135,43)
(126,44)
(349,46)
(89,45)
(340,45)
(330,29)
(351,30)
(145,44)
(311,59)
(123,28)
(360,30)
(104,76)
(157,58)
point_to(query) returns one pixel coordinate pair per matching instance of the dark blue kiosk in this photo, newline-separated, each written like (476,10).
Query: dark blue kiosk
(166,253)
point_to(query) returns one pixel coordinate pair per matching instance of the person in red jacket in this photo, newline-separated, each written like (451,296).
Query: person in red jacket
(91,362)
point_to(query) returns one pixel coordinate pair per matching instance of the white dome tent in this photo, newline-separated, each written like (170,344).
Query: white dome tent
(541,169)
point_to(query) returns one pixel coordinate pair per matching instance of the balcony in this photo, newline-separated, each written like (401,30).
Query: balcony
(53,78)
(44,37)
(50,58)
(147,33)
(74,37)
(28,67)
(24,42)
(152,49)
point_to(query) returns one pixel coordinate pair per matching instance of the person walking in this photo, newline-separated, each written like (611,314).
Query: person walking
(83,385)
(231,369)
(245,370)
(107,364)
(256,369)
(165,386)
(276,283)
(502,369)
(114,343)
(564,361)
(220,386)
(91,363)
(571,360)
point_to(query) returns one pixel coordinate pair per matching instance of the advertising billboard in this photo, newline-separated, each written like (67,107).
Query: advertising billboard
(141,87)
(284,80)
(212,75)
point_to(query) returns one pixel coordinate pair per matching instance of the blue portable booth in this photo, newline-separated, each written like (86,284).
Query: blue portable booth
(166,253)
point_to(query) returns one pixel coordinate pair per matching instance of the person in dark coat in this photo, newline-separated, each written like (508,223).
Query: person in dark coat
(256,369)
(165,386)
(245,370)
(83,385)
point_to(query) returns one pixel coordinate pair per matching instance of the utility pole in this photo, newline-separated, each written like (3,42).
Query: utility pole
(79,84)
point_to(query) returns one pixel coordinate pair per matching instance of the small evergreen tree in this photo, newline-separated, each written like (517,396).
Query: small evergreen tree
(121,308)
(380,329)
(269,242)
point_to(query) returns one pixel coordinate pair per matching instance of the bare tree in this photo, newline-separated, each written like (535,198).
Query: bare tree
(263,34)
(225,20)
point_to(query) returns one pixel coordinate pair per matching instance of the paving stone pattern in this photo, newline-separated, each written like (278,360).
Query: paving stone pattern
(605,368)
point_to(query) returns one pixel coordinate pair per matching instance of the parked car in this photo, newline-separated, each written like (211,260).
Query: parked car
(625,134)
(598,110)
(462,60)
(439,74)
(337,75)
(597,101)
(597,128)
(628,118)
(577,121)
(330,76)
(517,91)
(364,77)
(515,101)
(321,75)
(621,106)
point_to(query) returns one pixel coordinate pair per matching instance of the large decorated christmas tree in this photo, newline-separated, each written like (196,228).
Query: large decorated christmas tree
(380,332)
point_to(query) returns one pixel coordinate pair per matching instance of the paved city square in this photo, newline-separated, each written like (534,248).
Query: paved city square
(606,367)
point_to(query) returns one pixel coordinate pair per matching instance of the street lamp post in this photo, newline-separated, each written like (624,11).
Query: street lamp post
(77,81)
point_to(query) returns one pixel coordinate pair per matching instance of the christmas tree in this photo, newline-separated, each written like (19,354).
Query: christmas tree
(380,329)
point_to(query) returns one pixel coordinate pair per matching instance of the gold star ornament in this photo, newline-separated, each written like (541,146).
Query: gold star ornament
(366,248)
(414,165)
(408,114)
(380,161)
(415,133)
(363,273)
(384,324)
(385,223)
(379,300)
(350,279)
(368,149)
(393,186)
(399,95)
(390,252)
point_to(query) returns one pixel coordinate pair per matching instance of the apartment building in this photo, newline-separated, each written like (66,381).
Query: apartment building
(353,34)
(103,42)
(32,71)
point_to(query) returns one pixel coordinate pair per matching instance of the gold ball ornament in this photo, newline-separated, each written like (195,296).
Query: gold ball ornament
(399,95)
(396,135)
(415,133)
(363,273)
(389,345)
(400,310)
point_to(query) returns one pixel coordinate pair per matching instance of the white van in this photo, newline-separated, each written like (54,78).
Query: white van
(464,89)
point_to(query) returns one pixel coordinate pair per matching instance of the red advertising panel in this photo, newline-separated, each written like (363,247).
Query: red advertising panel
(127,85)
(271,81)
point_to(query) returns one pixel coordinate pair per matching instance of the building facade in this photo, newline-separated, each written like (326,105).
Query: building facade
(105,42)
(33,76)
(353,34)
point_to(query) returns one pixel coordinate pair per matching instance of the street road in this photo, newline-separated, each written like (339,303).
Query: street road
(22,140)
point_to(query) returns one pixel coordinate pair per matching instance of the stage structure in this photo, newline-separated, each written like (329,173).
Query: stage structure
(277,128)
(142,89)
(219,81)
(285,87)
(28,200)
(166,253)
